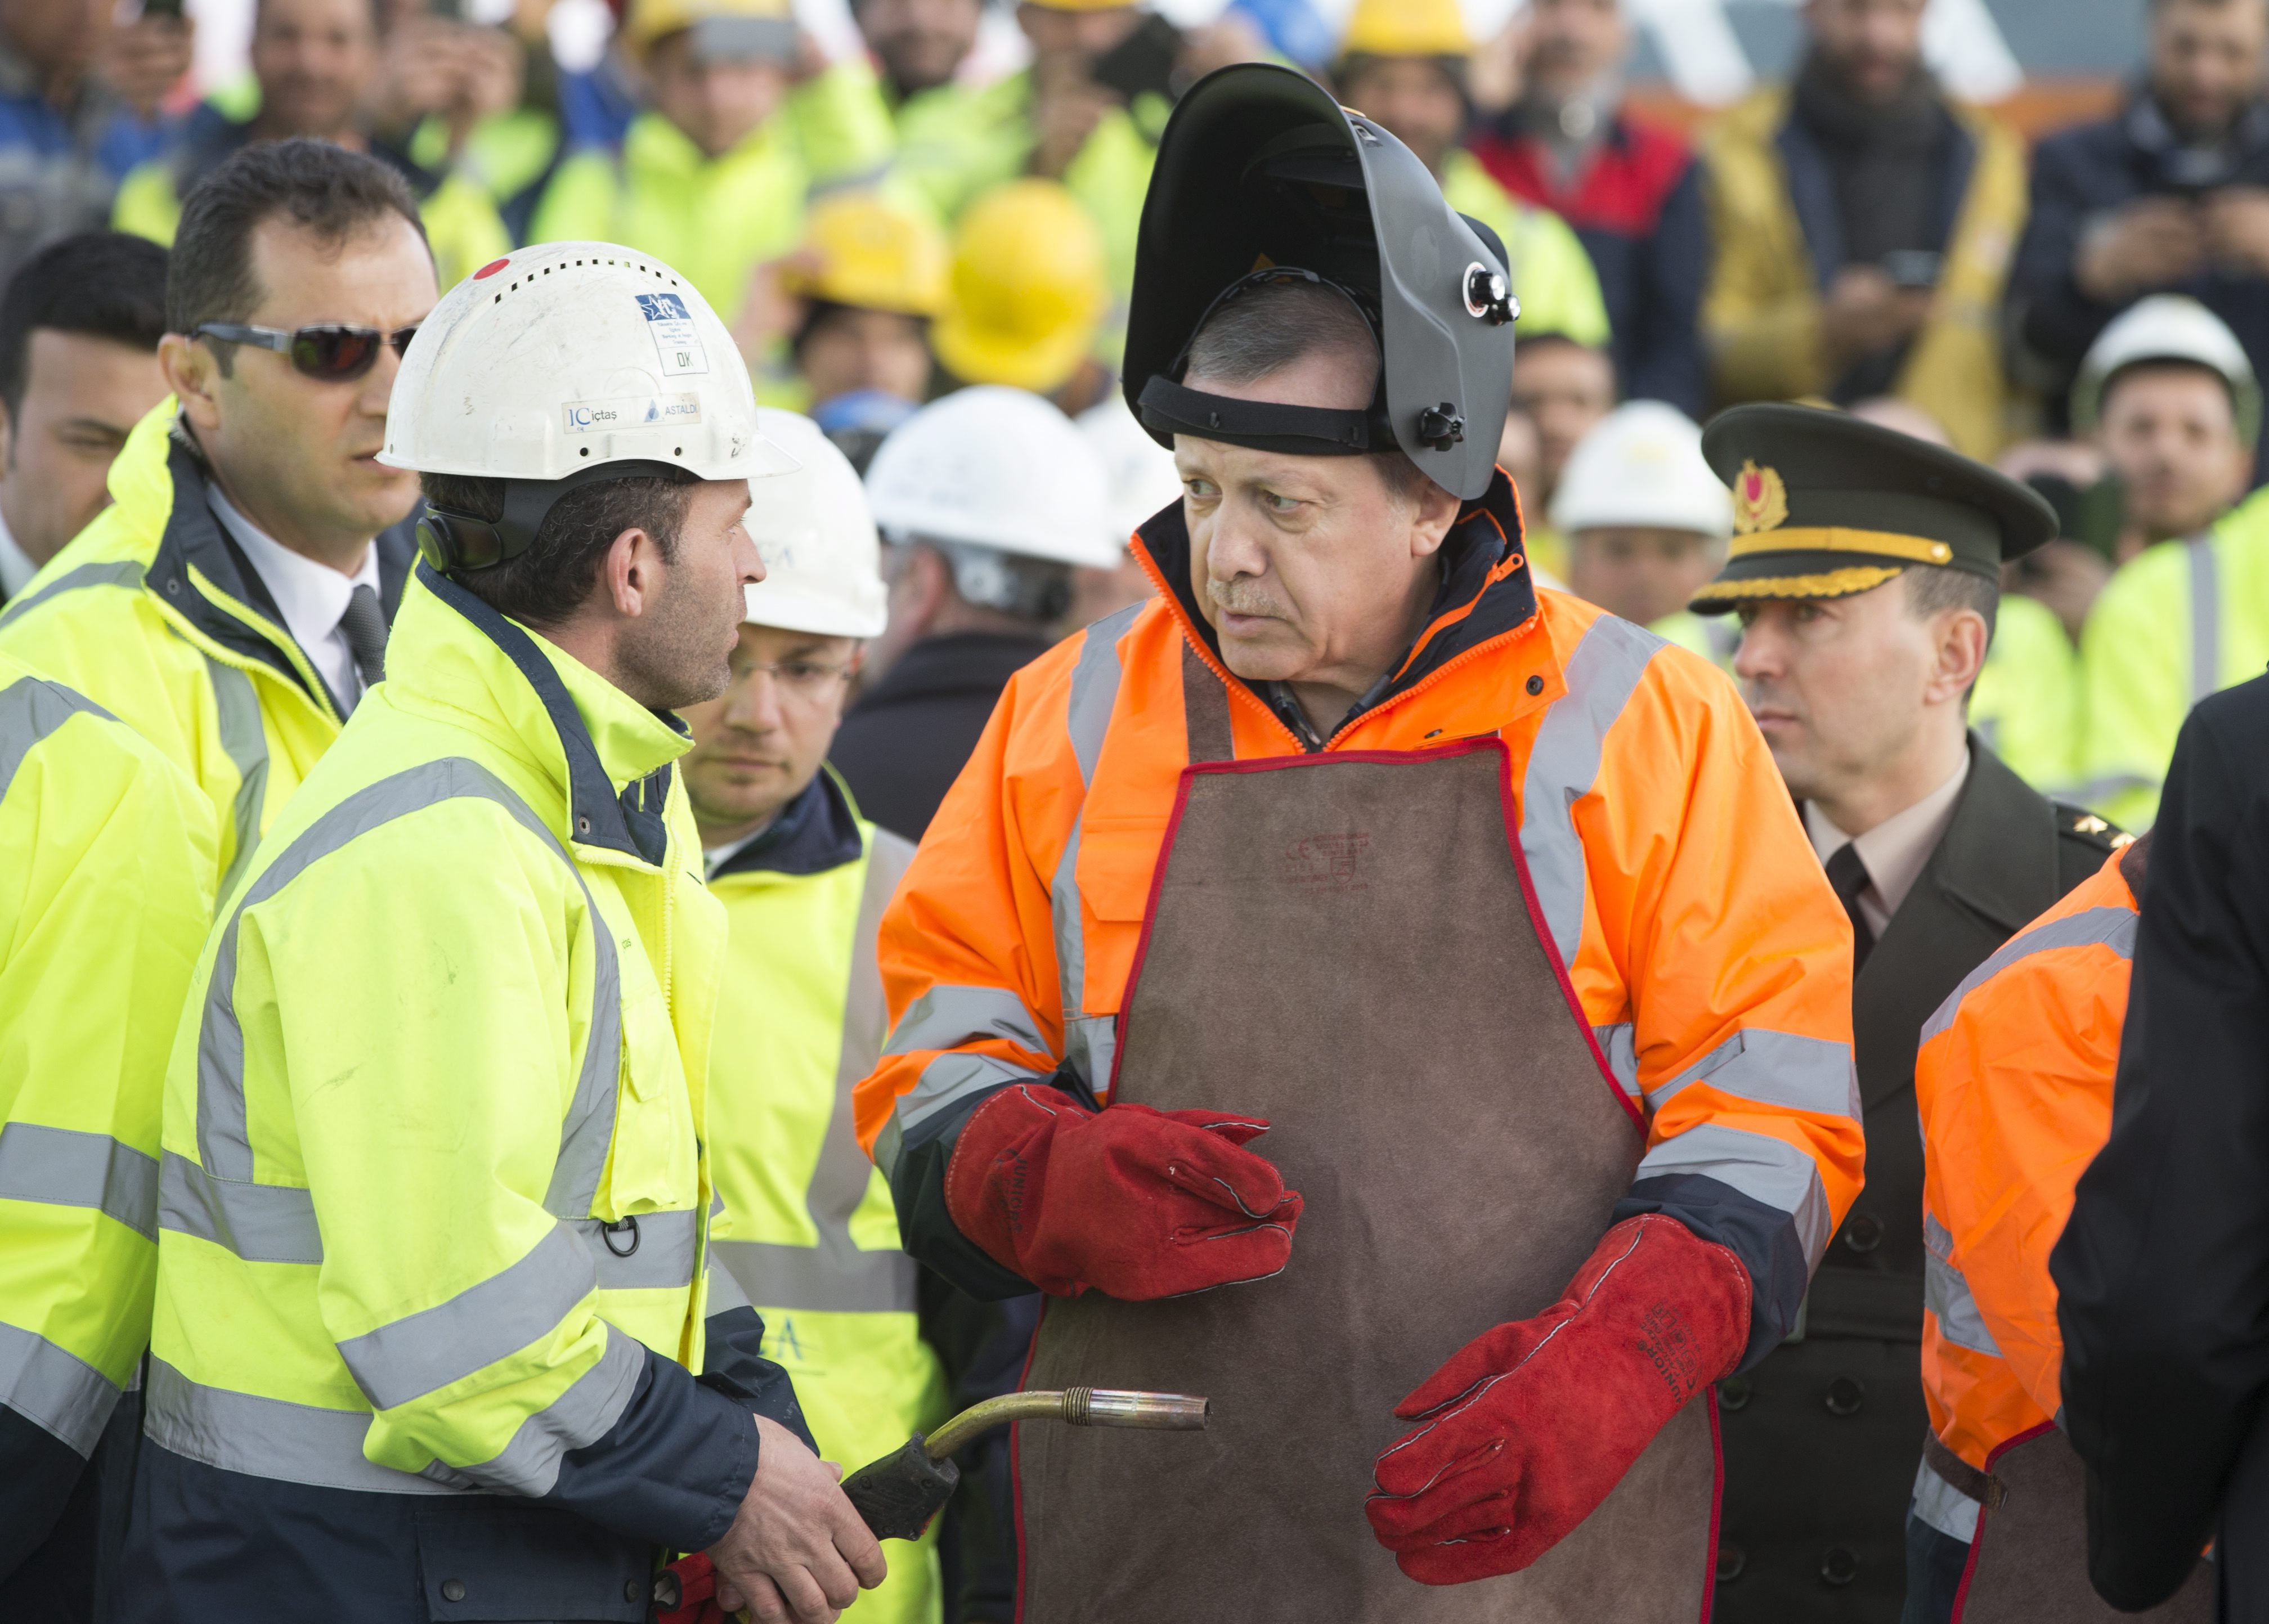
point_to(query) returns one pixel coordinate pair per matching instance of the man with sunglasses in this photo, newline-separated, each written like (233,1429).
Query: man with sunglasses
(232,605)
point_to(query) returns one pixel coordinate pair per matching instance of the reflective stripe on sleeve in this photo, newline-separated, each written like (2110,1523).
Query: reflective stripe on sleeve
(951,1079)
(305,1443)
(1619,1043)
(946,1017)
(259,1223)
(1768,1171)
(64,1167)
(1601,675)
(1775,1068)
(513,1309)
(725,1292)
(223,1146)
(30,711)
(1946,1294)
(123,573)
(1938,1503)
(2112,927)
(56,1391)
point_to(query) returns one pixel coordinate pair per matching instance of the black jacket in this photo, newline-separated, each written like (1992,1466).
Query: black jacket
(2162,1273)
(2084,173)
(908,737)
(1822,1439)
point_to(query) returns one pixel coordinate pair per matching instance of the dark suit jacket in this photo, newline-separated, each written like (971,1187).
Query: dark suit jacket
(1823,1438)
(2162,1273)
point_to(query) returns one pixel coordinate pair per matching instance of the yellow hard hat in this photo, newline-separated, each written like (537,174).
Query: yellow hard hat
(872,253)
(1406,28)
(774,21)
(1029,290)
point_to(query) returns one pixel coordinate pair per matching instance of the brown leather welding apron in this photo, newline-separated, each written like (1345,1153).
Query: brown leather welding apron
(2029,1564)
(1348,945)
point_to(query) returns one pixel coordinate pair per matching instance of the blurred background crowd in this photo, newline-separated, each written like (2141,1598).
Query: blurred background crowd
(2035,230)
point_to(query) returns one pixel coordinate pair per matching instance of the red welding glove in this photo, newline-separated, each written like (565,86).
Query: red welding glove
(696,1591)
(1129,1201)
(1529,1426)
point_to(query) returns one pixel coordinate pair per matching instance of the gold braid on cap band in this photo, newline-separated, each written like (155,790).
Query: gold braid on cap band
(1886,543)
(1834,584)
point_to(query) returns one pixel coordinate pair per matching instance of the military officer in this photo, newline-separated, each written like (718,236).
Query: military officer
(1865,567)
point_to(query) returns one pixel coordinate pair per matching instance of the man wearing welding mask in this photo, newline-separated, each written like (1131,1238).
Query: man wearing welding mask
(1478,902)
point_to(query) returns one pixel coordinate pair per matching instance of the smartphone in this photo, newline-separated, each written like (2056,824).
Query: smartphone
(1143,64)
(161,8)
(2090,514)
(1914,267)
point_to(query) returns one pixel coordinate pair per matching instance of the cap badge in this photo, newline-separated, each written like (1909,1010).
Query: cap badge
(1760,499)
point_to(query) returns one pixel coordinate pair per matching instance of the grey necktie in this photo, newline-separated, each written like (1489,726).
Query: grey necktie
(364,626)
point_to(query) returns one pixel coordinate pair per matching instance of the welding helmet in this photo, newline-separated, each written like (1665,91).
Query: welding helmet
(1262,177)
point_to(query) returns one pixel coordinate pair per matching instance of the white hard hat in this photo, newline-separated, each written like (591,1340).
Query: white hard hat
(569,356)
(1142,474)
(2167,326)
(1641,467)
(823,563)
(998,468)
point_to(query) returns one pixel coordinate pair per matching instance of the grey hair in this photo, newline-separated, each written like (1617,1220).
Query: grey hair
(1262,332)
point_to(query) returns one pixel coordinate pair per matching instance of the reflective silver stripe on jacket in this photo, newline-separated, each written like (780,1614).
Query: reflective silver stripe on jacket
(1775,1068)
(276,1223)
(30,711)
(1090,1041)
(236,704)
(835,1276)
(278,1440)
(66,1167)
(2206,616)
(1944,1506)
(1766,1170)
(2112,927)
(1946,1294)
(946,1017)
(56,1391)
(224,1146)
(1620,1044)
(1601,675)
(125,572)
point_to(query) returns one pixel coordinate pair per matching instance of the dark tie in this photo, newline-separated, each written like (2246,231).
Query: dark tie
(1849,875)
(364,625)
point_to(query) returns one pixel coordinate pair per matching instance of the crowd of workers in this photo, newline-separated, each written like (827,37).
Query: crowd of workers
(340,1264)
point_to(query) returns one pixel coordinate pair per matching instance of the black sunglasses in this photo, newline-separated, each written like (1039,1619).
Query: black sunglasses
(334,354)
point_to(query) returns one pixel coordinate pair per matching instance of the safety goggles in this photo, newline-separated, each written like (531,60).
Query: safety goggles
(330,354)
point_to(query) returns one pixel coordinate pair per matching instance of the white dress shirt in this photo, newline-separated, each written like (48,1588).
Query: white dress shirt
(1893,850)
(312,596)
(16,567)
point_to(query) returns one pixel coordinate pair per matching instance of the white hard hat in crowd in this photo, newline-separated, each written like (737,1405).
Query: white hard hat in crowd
(1142,474)
(2167,326)
(1641,467)
(823,563)
(573,356)
(998,468)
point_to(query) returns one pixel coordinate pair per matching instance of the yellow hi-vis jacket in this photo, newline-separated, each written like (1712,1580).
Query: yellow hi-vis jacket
(434,1201)
(105,876)
(812,1233)
(150,613)
(2179,621)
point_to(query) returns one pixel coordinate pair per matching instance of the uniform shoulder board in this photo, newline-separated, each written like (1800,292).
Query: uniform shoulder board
(2078,823)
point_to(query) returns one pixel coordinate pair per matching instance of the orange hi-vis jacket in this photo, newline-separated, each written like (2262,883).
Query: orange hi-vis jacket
(2013,1083)
(1707,953)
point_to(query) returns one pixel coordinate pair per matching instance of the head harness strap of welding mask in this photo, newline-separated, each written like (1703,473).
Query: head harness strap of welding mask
(457,543)
(1262,177)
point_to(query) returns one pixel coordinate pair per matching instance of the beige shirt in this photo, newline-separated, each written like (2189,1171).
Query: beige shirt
(1893,850)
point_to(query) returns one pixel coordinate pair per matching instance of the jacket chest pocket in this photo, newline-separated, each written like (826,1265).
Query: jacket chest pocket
(655,1161)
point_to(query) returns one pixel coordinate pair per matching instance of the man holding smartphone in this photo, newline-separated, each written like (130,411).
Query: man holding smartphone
(1862,225)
